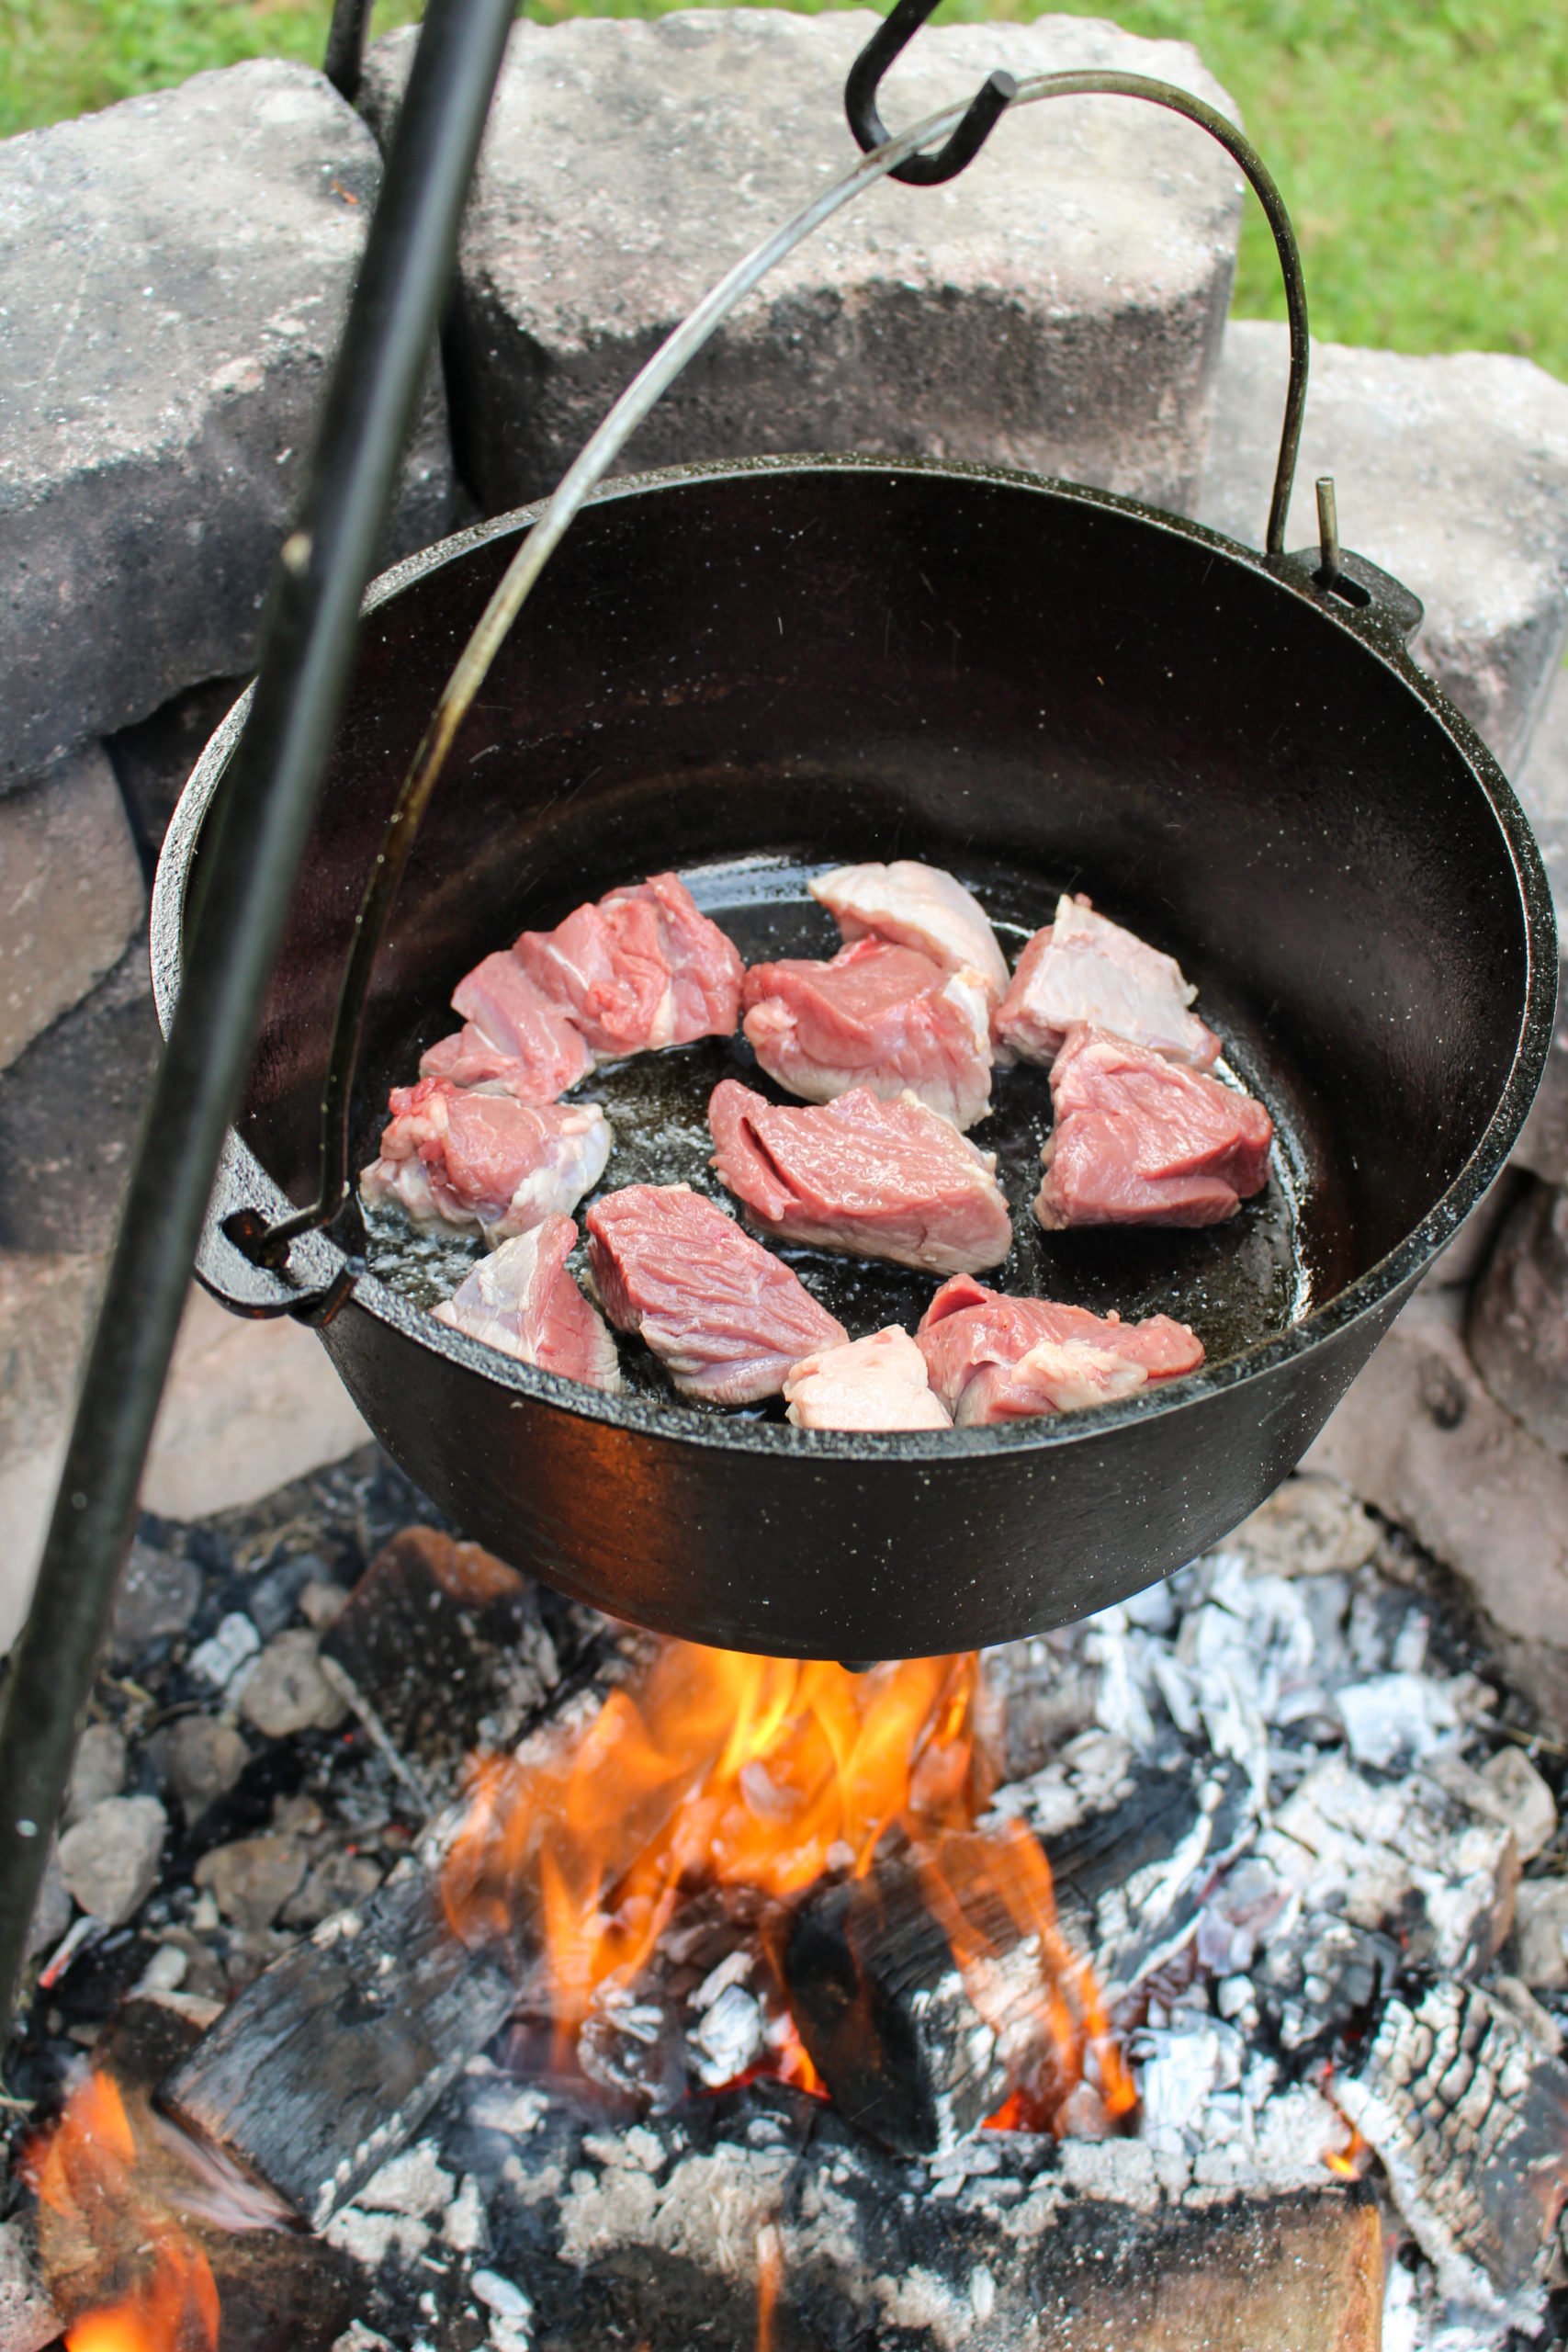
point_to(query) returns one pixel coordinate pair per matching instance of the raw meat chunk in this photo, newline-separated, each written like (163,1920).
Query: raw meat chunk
(724,1315)
(1139,1140)
(522,1300)
(875,1384)
(879,1179)
(878,1016)
(992,1358)
(642,970)
(513,1039)
(1084,969)
(450,1156)
(920,906)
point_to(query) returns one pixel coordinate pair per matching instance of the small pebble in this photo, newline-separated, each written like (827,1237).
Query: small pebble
(499,2294)
(338,1883)
(286,1690)
(98,1770)
(220,1658)
(156,1599)
(109,1859)
(201,1757)
(322,1604)
(253,1878)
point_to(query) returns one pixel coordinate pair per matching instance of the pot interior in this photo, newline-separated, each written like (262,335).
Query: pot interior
(753,675)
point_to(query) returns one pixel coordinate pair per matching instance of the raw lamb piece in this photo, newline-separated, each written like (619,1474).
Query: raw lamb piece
(993,1358)
(875,1384)
(1084,969)
(878,1016)
(920,906)
(879,1179)
(643,970)
(522,1300)
(1139,1140)
(453,1156)
(513,1039)
(726,1317)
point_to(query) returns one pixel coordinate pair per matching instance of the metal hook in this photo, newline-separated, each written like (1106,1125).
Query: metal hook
(893,34)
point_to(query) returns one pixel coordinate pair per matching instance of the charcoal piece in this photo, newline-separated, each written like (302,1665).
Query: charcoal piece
(333,2057)
(1470,2117)
(886,2014)
(1322,1976)
(444,1643)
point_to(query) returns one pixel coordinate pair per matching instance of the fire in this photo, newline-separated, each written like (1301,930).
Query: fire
(770,2276)
(736,1771)
(98,2210)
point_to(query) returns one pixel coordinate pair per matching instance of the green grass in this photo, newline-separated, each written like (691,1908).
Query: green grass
(1422,145)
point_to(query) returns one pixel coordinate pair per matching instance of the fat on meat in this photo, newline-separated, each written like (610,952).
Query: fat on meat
(879,1016)
(878,1180)
(513,1039)
(1140,1140)
(523,1300)
(1083,968)
(642,970)
(875,1384)
(725,1317)
(990,1357)
(922,907)
(451,1156)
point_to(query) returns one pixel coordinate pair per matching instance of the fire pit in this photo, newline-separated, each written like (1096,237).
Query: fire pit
(1144,1979)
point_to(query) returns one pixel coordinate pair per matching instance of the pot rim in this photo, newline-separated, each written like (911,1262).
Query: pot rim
(639,1415)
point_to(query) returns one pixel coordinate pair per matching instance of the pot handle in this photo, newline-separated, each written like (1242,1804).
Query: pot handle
(963,128)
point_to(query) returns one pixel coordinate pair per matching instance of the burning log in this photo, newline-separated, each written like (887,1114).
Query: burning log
(328,2061)
(950,1980)
(1470,2117)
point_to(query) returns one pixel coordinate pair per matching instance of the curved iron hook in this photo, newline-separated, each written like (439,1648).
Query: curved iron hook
(991,102)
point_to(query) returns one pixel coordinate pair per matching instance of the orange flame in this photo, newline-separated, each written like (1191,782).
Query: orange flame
(86,2175)
(770,2277)
(992,1892)
(742,1771)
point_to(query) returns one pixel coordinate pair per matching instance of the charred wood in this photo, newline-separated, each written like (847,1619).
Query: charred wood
(328,2061)
(1470,2116)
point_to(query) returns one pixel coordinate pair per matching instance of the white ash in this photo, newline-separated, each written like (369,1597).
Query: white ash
(223,1656)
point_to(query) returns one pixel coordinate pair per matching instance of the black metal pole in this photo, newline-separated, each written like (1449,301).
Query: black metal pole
(260,824)
(345,46)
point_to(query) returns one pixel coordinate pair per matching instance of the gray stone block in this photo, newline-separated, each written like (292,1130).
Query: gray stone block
(1452,473)
(1518,1316)
(70,1108)
(1421,1439)
(1057,308)
(71,892)
(176,272)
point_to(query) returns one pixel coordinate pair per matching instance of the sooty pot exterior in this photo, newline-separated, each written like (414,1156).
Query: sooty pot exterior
(849,658)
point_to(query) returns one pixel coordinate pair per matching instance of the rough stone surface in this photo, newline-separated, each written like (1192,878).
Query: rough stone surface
(1519,1318)
(286,1690)
(1057,308)
(248,1406)
(252,1879)
(29,2319)
(1420,1437)
(1452,473)
(1542,786)
(175,270)
(153,760)
(70,886)
(1308,1527)
(1541,1933)
(109,1858)
(201,1757)
(70,1110)
(98,1769)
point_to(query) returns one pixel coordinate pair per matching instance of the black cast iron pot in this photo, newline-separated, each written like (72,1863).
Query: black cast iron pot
(748,670)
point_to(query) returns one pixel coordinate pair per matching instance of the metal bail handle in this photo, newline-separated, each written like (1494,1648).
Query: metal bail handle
(963,131)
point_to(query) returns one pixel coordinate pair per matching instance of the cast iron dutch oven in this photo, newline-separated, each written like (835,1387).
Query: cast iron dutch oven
(747,672)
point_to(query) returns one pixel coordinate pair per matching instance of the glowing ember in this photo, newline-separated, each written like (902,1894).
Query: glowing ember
(97,2203)
(770,2275)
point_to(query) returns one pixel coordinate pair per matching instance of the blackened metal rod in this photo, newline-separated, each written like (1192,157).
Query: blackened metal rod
(345,46)
(246,876)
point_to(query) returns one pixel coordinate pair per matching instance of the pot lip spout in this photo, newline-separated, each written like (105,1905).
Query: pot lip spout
(1379,630)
